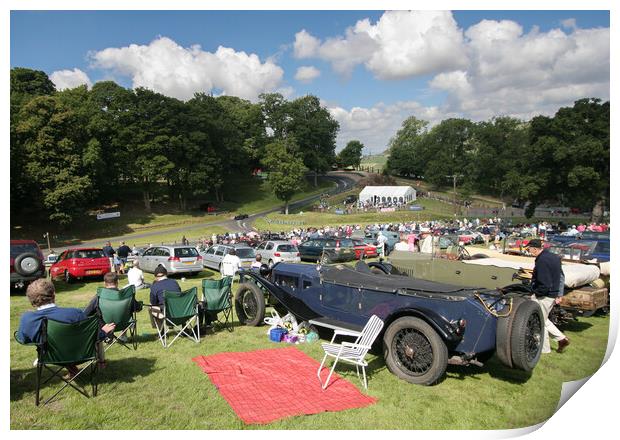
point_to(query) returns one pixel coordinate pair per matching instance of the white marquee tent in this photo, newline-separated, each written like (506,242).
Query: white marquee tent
(386,194)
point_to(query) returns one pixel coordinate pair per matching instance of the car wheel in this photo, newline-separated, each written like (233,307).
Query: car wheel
(414,352)
(527,335)
(250,304)
(325,259)
(68,278)
(27,264)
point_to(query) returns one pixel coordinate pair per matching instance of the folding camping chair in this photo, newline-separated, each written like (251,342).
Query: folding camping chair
(352,352)
(116,306)
(180,313)
(216,298)
(64,344)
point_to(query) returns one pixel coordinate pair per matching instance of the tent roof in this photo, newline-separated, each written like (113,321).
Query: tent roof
(386,191)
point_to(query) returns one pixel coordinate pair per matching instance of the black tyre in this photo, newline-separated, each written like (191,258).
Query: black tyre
(27,264)
(250,304)
(68,277)
(527,335)
(414,352)
(503,334)
(325,259)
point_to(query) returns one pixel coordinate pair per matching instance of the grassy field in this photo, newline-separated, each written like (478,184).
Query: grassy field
(249,196)
(434,210)
(376,161)
(164,389)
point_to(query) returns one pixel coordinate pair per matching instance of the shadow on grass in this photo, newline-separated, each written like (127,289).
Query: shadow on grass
(117,371)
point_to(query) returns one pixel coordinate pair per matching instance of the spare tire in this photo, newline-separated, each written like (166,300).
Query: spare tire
(519,335)
(27,264)
(250,304)
(527,335)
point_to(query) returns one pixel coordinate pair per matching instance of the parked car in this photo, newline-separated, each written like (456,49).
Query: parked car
(273,252)
(350,199)
(470,237)
(327,250)
(364,250)
(26,262)
(241,216)
(583,250)
(212,257)
(79,263)
(392,238)
(176,259)
(428,325)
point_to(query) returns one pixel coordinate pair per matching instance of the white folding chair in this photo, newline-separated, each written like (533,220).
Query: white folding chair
(352,352)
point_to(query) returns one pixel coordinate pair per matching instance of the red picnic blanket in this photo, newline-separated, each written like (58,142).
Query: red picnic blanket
(266,385)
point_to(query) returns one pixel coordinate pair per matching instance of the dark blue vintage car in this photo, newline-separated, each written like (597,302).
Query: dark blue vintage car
(428,325)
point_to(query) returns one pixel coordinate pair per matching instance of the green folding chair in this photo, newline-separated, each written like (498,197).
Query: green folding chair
(180,314)
(65,344)
(116,306)
(216,298)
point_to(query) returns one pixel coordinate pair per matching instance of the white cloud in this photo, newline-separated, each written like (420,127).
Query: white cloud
(69,79)
(307,74)
(526,74)
(375,126)
(401,44)
(166,67)
(569,23)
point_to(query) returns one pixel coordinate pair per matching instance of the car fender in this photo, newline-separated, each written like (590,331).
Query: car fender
(442,326)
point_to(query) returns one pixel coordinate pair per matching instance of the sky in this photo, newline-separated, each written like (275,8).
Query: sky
(371,69)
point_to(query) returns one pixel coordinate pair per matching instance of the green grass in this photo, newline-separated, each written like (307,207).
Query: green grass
(434,210)
(247,196)
(376,161)
(164,389)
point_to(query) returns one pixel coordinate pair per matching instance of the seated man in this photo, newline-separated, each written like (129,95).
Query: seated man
(161,283)
(135,276)
(257,263)
(42,295)
(110,281)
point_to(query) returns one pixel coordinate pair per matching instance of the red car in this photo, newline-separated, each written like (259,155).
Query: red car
(369,250)
(80,263)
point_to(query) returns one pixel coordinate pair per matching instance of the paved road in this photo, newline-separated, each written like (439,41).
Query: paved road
(344,182)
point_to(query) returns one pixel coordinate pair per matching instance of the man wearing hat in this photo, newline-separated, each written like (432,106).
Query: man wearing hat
(547,281)
(161,283)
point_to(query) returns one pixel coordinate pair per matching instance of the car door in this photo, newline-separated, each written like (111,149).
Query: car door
(218,256)
(146,260)
(305,249)
(209,257)
(58,268)
(268,251)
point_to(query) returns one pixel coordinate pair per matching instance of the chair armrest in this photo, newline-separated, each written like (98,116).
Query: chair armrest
(343,332)
(354,345)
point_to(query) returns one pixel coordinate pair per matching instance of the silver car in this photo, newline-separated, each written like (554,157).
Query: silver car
(274,251)
(176,259)
(212,257)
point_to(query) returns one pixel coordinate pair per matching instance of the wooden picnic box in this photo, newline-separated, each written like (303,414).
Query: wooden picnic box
(586,298)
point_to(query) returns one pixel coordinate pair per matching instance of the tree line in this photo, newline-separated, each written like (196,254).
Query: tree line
(562,159)
(73,149)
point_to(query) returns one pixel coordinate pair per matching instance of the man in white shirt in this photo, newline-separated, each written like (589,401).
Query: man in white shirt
(381,240)
(230,264)
(135,276)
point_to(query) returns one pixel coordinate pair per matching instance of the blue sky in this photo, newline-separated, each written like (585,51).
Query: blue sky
(370,76)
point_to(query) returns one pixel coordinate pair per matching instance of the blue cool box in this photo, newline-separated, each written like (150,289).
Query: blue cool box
(276,334)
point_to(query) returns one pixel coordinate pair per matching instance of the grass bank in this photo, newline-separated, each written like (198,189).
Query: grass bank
(163,389)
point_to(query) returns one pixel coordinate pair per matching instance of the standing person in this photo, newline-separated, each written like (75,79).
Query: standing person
(230,264)
(108,251)
(381,244)
(42,295)
(547,281)
(161,283)
(123,252)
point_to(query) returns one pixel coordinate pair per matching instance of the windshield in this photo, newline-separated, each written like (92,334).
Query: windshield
(86,253)
(185,252)
(245,252)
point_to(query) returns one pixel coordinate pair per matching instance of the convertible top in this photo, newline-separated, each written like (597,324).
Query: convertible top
(363,278)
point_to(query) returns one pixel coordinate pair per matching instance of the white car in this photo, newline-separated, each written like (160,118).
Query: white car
(275,251)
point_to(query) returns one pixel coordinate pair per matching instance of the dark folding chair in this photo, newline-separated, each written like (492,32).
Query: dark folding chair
(217,298)
(116,306)
(180,312)
(64,344)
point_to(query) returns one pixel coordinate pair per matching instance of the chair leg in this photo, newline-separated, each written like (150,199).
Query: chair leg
(38,391)
(318,373)
(365,381)
(330,373)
